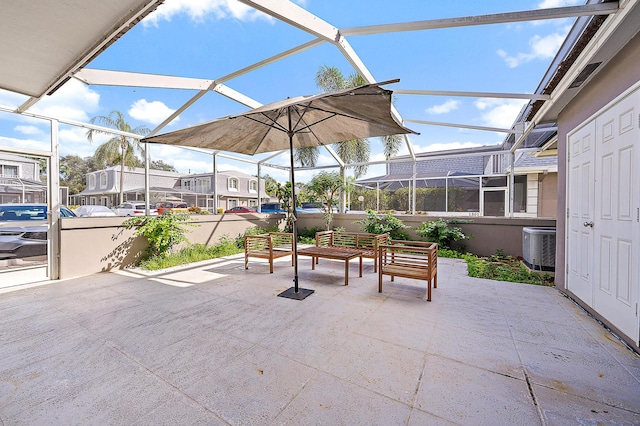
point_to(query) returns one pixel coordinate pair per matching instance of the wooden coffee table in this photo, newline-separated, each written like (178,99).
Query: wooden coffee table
(336,253)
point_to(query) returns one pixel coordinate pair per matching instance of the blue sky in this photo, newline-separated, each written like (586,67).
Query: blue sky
(212,38)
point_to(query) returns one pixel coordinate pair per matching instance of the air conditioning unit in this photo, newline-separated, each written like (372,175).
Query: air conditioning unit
(539,248)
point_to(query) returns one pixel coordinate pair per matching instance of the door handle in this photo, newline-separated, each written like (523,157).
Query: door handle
(589,224)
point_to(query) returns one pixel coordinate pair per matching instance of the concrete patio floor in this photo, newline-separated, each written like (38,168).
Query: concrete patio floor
(210,343)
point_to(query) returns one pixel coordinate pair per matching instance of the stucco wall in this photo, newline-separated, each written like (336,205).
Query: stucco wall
(614,79)
(489,234)
(91,245)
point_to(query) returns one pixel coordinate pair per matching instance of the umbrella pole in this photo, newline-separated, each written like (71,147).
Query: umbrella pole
(294,292)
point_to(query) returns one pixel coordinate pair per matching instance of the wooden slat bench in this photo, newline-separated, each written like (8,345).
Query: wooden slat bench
(367,243)
(268,246)
(409,259)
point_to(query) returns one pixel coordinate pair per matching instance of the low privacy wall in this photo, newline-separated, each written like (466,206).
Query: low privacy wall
(91,245)
(489,233)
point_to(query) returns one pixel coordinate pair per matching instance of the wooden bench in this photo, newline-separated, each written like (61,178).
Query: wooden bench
(409,259)
(367,243)
(268,246)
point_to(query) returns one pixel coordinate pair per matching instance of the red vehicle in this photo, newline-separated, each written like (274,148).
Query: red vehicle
(240,209)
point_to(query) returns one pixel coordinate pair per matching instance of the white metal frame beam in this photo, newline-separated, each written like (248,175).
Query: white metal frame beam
(532,96)
(497,18)
(292,14)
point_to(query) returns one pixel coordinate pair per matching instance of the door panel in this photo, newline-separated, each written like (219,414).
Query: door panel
(616,224)
(580,196)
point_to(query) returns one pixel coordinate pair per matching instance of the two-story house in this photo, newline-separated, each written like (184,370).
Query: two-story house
(20,180)
(234,188)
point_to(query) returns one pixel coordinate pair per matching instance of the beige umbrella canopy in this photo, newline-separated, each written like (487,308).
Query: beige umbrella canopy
(323,119)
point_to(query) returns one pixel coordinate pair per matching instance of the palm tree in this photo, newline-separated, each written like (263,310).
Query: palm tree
(119,148)
(331,79)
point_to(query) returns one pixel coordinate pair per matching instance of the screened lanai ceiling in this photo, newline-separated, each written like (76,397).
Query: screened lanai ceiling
(46,43)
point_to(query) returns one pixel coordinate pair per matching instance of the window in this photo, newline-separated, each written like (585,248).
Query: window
(103,180)
(203,185)
(253,186)
(9,171)
(232,184)
(186,184)
(253,203)
(520,194)
(231,203)
(92,181)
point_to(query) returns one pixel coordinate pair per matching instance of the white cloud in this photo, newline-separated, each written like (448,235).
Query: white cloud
(28,130)
(448,106)
(544,4)
(188,165)
(199,10)
(11,99)
(25,143)
(499,112)
(73,101)
(153,112)
(539,48)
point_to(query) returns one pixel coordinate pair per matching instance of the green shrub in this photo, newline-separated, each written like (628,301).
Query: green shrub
(162,232)
(376,223)
(254,230)
(194,253)
(439,231)
(308,236)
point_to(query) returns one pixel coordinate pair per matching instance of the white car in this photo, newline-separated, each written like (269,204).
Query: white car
(93,211)
(133,209)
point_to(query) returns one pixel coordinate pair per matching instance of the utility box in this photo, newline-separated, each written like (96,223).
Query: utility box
(539,248)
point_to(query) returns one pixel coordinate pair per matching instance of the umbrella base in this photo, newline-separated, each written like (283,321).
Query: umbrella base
(291,293)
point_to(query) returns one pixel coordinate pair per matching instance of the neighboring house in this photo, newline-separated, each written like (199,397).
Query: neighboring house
(594,83)
(20,181)
(478,177)
(234,189)
(103,186)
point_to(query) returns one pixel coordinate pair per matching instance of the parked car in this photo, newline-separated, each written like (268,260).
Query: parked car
(272,208)
(172,206)
(28,212)
(240,209)
(30,238)
(93,211)
(307,207)
(133,209)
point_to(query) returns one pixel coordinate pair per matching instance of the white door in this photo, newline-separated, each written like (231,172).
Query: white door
(580,155)
(603,225)
(617,249)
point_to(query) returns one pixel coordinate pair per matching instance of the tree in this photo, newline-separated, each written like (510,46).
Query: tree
(283,193)
(270,186)
(119,149)
(161,165)
(327,186)
(73,172)
(330,79)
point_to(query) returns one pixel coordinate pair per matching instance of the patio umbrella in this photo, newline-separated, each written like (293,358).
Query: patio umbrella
(305,121)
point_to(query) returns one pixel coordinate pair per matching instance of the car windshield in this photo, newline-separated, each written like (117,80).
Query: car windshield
(22,212)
